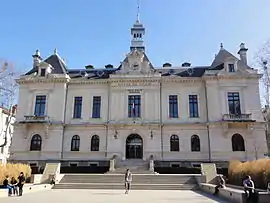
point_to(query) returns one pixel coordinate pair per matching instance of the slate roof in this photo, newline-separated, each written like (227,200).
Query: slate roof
(222,55)
(59,67)
(56,62)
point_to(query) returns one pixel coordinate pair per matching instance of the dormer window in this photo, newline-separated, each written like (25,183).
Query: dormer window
(43,72)
(231,68)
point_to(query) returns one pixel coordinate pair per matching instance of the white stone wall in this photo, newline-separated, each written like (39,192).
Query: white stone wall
(56,145)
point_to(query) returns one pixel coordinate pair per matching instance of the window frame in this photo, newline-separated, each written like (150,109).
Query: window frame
(96,107)
(174,143)
(96,144)
(232,98)
(231,68)
(77,107)
(75,143)
(173,106)
(193,101)
(36,143)
(135,100)
(195,143)
(238,143)
(39,103)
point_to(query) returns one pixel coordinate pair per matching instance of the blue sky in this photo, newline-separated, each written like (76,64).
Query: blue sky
(97,32)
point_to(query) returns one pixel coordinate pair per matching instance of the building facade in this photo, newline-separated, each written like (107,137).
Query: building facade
(172,114)
(7,120)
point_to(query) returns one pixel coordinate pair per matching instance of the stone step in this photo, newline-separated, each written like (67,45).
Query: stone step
(136,179)
(121,186)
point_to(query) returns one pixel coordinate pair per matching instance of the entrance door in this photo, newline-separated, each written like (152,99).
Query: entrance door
(134,147)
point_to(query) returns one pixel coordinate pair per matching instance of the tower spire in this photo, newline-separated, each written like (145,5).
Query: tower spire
(138,11)
(137,32)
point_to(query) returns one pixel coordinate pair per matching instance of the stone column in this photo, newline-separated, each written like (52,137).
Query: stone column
(112,168)
(151,165)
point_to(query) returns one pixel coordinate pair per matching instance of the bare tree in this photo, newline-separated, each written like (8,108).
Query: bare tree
(262,61)
(8,94)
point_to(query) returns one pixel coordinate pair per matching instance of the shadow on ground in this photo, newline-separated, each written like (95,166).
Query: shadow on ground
(212,197)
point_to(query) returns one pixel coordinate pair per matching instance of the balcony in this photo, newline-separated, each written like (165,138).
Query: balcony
(35,119)
(237,117)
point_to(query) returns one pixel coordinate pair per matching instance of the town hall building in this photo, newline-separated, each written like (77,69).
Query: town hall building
(174,115)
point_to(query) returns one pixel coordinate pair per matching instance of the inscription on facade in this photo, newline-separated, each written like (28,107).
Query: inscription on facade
(134,90)
(132,84)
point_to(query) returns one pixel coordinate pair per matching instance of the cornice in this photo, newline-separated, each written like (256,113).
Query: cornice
(232,77)
(41,80)
(147,81)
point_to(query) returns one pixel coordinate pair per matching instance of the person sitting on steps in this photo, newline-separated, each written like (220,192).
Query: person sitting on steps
(221,184)
(7,185)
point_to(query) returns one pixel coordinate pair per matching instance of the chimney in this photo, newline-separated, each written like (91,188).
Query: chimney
(166,65)
(36,59)
(243,53)
(186,64)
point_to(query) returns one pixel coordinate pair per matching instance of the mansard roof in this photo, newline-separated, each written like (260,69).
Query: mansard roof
(221,57)
(137,56)
(59,67)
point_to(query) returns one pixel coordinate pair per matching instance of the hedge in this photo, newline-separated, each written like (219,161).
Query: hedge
(13,170)
(259,170)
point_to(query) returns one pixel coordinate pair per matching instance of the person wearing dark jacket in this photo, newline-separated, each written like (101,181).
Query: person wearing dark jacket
(21,182)
(6,185)
(14,183)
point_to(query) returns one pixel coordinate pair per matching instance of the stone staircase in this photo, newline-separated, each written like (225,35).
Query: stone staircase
(139,182)
(135,166)
(50,170)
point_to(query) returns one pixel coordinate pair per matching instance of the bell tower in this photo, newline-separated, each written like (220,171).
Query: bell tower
(137,32)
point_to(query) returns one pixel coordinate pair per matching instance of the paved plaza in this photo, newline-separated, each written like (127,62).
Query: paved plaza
(111,196)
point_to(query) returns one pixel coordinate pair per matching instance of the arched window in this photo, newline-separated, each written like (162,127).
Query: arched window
(95,143)
(195,143)
(238,143)
(36,143)
(174,142)
(75,143)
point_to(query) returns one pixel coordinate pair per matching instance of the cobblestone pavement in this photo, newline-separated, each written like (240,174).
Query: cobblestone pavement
(111,196)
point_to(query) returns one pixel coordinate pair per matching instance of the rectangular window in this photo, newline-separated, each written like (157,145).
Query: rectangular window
(40,105)
(193,106)
(134,106)
(173,106)
(2,150)
(77,113)
(234,103)
(43,71)
(96,107)
(231,68)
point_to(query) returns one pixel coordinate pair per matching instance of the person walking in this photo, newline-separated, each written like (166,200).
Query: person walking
(21,182)
(128,179)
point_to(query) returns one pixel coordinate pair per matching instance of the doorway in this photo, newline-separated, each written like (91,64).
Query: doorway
(134,147)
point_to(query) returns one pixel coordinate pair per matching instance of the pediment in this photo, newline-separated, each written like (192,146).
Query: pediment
(136,63)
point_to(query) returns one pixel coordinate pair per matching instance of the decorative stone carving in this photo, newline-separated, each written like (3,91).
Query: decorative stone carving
(135,63)
(250,128)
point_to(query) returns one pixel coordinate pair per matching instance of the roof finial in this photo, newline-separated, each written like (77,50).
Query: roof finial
(138,11)
(221,46)
(55,51)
